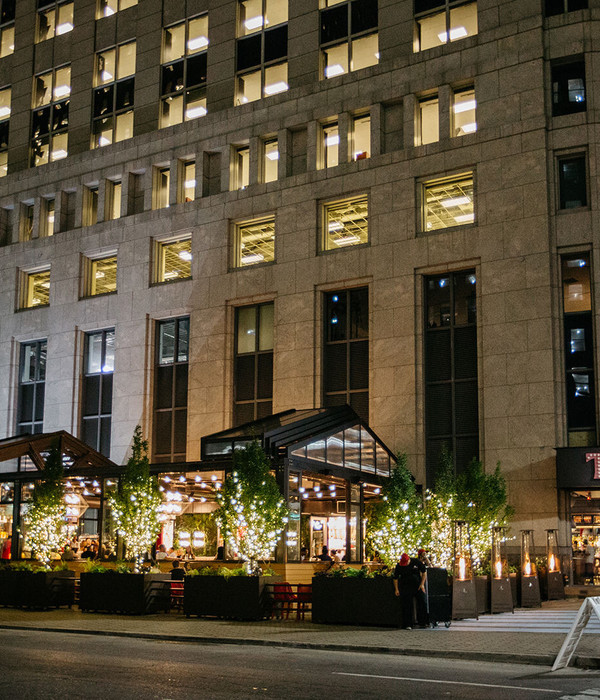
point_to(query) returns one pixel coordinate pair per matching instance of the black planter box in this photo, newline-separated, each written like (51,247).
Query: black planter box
(482,594)
(355,601)
(42,589)
(237,597)
(132,594)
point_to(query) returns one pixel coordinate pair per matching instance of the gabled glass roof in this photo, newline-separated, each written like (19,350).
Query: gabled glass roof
(317,438)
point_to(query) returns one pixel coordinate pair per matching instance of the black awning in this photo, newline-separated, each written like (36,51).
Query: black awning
(578,468)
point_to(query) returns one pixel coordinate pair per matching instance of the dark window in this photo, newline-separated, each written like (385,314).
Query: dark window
(558,7)
(346,350)
(451,393)
(579,351)
(96,399)
(171,390)
(568,88)
(32,385)
(7,13)
(253,364)
(572,182)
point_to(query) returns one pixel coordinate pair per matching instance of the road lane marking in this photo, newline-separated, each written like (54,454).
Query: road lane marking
(430,680)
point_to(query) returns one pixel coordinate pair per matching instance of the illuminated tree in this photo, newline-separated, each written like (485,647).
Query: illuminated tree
(252,513)
(46,515)
(135,505)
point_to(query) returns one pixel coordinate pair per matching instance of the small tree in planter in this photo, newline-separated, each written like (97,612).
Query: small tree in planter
(45,517)
(251,513)
(135,505)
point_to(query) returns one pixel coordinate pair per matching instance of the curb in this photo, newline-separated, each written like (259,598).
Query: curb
(588,662)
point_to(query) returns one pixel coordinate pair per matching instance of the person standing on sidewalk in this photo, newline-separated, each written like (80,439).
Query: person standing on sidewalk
(410,576)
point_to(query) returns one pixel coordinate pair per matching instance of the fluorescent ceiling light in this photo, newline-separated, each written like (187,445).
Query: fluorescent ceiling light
(64,28)
(465,219)
(455,33)
(108,11)
(100,275)
(195,112)
(185,255)
(335,226)
(334,69)
(464,106)
(469,128)
(455,202)
(106,76)
(332,140)
(4,112)
(273,155)
(62,91)
(103,141)
(189,184)
(347,240)
(252,258)
(254,22)
(198,42)
(59,155)
(274,88)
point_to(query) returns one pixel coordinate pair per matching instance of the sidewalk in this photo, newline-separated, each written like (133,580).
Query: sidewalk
(462,640)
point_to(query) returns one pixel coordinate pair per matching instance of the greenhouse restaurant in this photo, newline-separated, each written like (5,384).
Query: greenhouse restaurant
(328,463)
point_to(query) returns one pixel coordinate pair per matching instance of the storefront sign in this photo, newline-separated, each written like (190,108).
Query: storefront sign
(596,457)
(578,468)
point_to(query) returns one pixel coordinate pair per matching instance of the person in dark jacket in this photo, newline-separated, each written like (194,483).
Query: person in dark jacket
(177,573)
(410,576)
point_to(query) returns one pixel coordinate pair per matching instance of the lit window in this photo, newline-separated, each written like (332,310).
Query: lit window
(5,107)
(90,206)
(113,192)
(106,8)
(442,21)
(7,27)
(428,123)
(54,18)
(101,275)
(47,214)
(187,187)
(50,115)
(345,223)
(270,160)
(114,95)
(559,7)
(361,138)
(174,259)
(261,62)
(240,168)
(162,182)
(26,222)
(464,112)
(330,145)
(448,202)
(35,288)
(568,88)
(183,72)
(349,39)
(254,242)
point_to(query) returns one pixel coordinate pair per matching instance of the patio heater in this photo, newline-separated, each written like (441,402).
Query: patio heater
(464,597)
(502,600)
(530,585)
(554,578)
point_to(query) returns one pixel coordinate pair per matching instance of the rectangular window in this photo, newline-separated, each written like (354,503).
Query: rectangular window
(7,27)
(5,108)
(559,7)
(34,288)
(346,223)
(32,385)
(447,202)
(240,168)
(173,259)
(261,49)
(112,204)
(579,352)
(463,116)
(428,121)
(441,21)
(572,185)
(330,146)
(106,8)
(26,223)
(47,215)
(270,161)
(361,138)
(171,390)
(54,17)
(183,71)
(114,81)
(90,205)
(568,88)
(100,275)
(348,36)
(50,115)
(450,371)
(97,389)
(346,350)
(162,184)
(187,181)
(254,242)
(253,363)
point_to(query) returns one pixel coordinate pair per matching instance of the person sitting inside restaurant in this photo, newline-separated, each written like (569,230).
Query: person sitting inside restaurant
(177,573)
(161,553)
(325,556)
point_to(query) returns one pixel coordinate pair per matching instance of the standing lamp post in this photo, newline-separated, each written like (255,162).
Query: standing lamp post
(464,598)
(530,585)
(501,592)
(555,581)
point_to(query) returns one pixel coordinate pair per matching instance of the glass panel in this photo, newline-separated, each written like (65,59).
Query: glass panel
(276,79)
(65,19)
(163,179)
(5,96)
(429,123)
(365,52)
(43,90)
(463,21)
(335,449)
(449,202)
(189,181)
(109,352)
(126,65)
(108,7)
(383,461)
(246,329)
(183,341)
(29,363)
(276,12)
(166,343)
(256,242)
(576,283)
(49,217)
(464,113)
(270,162)
(3,164)
(248,89)
(572,182)
(38,289)
(331,142)
(7,41)
(300,452)
(59,147)
(242,168)
(171,112)
(94,354)
(103,276)
(174,43)
(197,34)
(336,60)
(354,525)
(432,31)
(367,451)
(316,451)
(46,25)
(347,223)
(124,128)
(196,103)
(176,260)
(62,83)
(361,138)
(352,447)
(266,327)
(105,67)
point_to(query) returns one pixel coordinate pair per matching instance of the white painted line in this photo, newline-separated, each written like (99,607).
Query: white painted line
(430,680)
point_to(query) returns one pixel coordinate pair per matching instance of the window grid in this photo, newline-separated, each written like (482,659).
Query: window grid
(7,27)
(174,259)
(35,289)
(54,18)
(106,8)
(448,202)
(439,22)
(97,388)
(32,385)
(346,223)
(100,275)
(559,7)
(50,115)
(254,242)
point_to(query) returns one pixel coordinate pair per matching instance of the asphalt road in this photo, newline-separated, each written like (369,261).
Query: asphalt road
(43,665)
